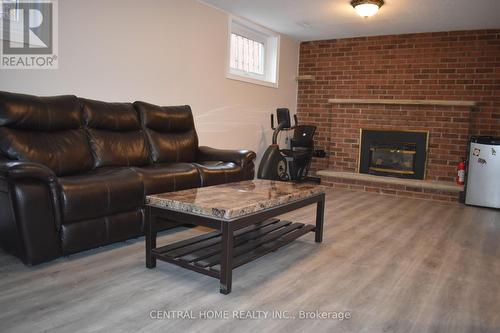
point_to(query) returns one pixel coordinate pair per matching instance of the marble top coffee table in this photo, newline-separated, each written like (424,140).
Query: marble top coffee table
(242,214)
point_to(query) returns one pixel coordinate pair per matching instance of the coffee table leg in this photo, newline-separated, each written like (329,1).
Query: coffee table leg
(320,214)
(226,261)
(150,234)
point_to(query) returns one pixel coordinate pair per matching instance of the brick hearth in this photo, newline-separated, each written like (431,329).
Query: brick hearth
(439,191)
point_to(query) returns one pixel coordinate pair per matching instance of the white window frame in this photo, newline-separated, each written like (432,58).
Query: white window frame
(271,41)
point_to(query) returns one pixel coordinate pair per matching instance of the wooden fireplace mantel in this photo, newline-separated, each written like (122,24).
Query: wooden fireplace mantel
(402,102)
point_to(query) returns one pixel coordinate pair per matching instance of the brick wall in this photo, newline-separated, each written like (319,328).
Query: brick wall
(462,65)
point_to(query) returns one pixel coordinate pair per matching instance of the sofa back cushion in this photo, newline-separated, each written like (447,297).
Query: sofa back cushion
(115,134)
(170,132)
(45,130)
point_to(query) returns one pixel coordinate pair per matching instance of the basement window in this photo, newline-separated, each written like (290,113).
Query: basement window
(253,53)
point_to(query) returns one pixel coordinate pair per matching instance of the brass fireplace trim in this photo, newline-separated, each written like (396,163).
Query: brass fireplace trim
(402,151)
(395,130)
(403,172)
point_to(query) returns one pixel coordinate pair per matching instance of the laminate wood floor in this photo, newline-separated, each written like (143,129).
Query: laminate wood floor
(396,264)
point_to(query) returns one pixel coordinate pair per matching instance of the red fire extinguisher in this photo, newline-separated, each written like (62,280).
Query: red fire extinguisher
(461,173)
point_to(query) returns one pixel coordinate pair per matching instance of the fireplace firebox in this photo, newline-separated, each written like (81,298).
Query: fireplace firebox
(393,153)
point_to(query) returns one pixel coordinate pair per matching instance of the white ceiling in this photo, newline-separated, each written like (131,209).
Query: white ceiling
(330,19)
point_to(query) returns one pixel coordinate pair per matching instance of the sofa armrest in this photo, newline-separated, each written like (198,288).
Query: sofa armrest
(29,211)
(239,157)
(27,170)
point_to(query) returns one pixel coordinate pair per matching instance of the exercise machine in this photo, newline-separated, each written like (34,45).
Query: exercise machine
(293,163)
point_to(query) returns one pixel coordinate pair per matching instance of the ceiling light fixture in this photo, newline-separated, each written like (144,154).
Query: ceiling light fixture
(367,8)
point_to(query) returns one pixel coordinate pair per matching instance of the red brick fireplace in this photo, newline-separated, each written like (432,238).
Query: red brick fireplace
(448,129)
(448,66)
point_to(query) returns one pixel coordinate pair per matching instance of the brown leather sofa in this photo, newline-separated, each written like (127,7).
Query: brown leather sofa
(74,172)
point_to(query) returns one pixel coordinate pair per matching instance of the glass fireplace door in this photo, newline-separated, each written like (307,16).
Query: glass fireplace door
(392,158)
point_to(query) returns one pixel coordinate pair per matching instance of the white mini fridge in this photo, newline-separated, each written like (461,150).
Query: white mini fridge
(483,177)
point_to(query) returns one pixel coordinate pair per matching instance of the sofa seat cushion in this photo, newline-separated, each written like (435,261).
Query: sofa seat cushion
(169,177)
(218,172)
(99,193)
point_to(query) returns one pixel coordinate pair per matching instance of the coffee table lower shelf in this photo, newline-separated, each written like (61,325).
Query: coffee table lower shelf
(202,253)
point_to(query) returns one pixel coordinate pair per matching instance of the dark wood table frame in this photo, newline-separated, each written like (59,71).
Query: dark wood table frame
(224,235)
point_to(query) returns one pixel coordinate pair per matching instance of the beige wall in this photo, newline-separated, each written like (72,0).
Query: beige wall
(166,52)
